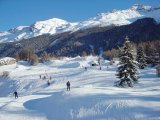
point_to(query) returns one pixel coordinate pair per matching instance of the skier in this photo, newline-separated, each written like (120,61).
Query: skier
(100,68)
(16,94)
(40,76)
(44,77)
(48,83)
(68,86)
(85,68)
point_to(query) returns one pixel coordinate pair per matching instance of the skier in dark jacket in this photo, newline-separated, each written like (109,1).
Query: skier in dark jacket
(68,86)
(85,68)
(16,94)
(48,83)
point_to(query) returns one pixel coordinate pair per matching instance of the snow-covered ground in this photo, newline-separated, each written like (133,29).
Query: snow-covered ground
(92,95)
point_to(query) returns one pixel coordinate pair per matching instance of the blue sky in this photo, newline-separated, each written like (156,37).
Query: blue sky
(15,13)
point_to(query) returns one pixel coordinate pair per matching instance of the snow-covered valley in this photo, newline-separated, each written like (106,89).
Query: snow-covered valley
(93,95)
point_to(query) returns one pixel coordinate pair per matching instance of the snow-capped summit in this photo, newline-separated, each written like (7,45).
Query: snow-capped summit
(19,28)
(55,25)
(50,26)
(140,7)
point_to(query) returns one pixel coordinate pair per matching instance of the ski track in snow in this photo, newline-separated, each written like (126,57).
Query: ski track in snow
(92,95)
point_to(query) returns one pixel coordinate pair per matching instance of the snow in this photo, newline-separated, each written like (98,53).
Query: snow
(92,95)
(50,26)
(6,59)
(55,25)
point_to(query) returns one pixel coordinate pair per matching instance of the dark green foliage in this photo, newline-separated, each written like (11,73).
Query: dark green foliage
(141,58)
(127,69)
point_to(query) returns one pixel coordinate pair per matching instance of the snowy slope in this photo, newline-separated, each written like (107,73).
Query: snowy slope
(92,95)
(50,26)
(55,25)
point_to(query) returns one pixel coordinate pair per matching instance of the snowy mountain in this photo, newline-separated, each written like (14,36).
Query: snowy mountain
(50,26)
(55,25)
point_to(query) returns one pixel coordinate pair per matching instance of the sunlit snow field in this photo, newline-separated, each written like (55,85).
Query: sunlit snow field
(93,95)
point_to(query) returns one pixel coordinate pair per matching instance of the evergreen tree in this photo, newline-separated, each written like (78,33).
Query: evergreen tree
(141,58)
(155,57)
(127,69)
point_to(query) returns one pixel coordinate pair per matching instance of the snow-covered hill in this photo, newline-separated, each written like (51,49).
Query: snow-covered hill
(92,95)
(55,25)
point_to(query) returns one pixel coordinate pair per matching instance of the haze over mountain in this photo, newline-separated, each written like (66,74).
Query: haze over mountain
(55,25)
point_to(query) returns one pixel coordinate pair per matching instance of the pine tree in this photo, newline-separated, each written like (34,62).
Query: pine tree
(155,57)
(127,69)
(141,58)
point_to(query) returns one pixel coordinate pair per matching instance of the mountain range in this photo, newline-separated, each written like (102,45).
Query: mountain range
(55,25)
(105,31)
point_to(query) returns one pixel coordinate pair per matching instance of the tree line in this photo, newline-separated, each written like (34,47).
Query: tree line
(150,49)
(32,57)
(133,57)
